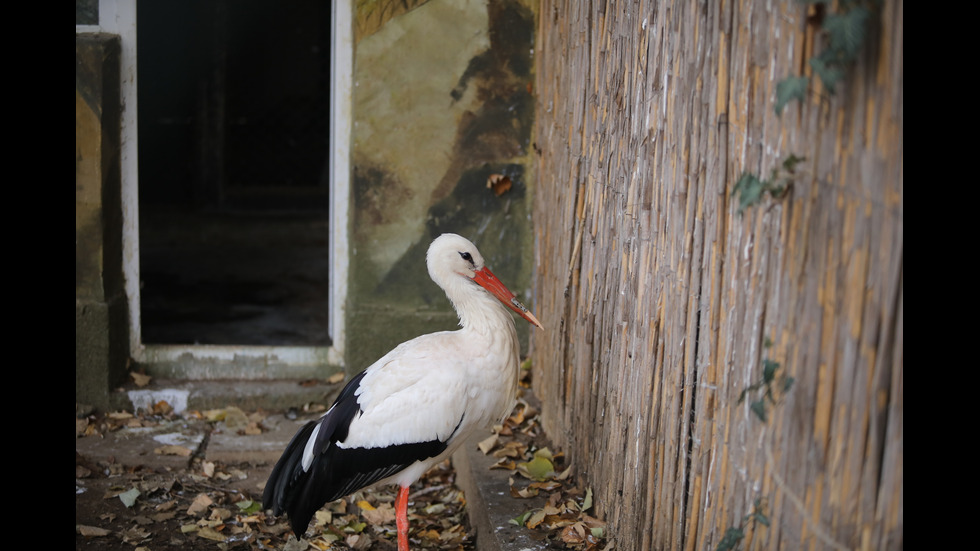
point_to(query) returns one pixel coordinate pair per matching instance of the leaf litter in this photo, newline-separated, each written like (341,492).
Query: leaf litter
(521,447)
(215,506)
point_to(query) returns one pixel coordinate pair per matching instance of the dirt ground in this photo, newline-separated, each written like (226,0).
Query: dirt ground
(192,504)
(173,496)
(162,519)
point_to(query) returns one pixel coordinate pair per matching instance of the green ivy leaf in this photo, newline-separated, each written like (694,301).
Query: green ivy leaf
(769,368)
(759,409)
(521,519)
(778,189)
(789,89)
(249,506)
(829,73)
(846,32)
(789,163)
(749,188)
(731,539)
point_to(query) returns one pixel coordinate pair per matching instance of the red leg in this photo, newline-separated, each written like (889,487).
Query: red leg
(401,518)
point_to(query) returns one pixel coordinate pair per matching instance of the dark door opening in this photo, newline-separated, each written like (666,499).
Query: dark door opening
(233,178)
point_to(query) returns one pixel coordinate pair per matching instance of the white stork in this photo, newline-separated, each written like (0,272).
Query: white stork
(412,408)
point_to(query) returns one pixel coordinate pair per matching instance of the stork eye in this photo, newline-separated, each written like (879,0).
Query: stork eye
(467,257)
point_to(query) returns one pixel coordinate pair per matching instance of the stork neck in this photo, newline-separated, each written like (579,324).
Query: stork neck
(478,310)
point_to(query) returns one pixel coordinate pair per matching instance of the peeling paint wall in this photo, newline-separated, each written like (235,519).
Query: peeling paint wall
(442,101)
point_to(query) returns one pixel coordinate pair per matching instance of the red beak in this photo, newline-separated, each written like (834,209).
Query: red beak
(488,281)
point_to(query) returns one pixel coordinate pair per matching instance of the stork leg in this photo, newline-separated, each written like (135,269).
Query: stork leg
(401,517)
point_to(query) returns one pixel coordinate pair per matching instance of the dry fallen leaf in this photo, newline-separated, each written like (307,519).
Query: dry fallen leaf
(540,468)
(220,513)
(499,183)
(511,449)
(213,415)
(536,518)
(211,534)
(162,407)
(193,504)
(548,486)
(358,541)
(562,520)
(140,379)
(91,531)
(235,420)
(487,444)
(200,505)
(129,497)
(517,418)
(135,534)
(323,517)
(573,534)
(523,493)
(384,514)
(173,450)
(314,408)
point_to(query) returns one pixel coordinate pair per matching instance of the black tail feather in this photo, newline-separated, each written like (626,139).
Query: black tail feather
(276,493)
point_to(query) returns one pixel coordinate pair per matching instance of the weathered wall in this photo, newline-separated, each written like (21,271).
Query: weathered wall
(101,328)
(660,296)
(441,101)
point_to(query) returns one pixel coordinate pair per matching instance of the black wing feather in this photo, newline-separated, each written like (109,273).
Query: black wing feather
(335,472)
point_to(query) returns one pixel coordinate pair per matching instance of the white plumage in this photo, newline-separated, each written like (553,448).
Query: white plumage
(413,407)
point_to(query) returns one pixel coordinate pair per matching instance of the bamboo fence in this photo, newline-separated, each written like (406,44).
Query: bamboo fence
(664,302)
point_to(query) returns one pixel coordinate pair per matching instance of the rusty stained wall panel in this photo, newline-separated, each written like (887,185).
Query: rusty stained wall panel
(660,296)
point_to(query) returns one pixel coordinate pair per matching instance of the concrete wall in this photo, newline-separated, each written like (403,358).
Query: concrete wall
(101,334)
(442,101)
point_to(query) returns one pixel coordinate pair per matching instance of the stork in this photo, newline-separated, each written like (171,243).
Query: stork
(413,407)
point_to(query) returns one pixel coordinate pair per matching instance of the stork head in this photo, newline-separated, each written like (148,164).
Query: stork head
(451,256)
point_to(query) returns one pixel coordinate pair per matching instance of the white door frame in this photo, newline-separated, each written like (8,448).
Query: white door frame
(237,361)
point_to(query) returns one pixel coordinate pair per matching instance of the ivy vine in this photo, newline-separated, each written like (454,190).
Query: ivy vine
(845,32)
(769,388)
(735,534)
(750,187)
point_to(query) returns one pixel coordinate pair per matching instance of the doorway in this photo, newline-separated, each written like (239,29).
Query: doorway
(234,103)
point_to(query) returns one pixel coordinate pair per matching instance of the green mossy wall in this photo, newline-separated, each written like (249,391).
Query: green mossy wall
(443,100)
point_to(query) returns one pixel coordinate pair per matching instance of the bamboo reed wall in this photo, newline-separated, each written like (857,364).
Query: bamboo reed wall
(659,296)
